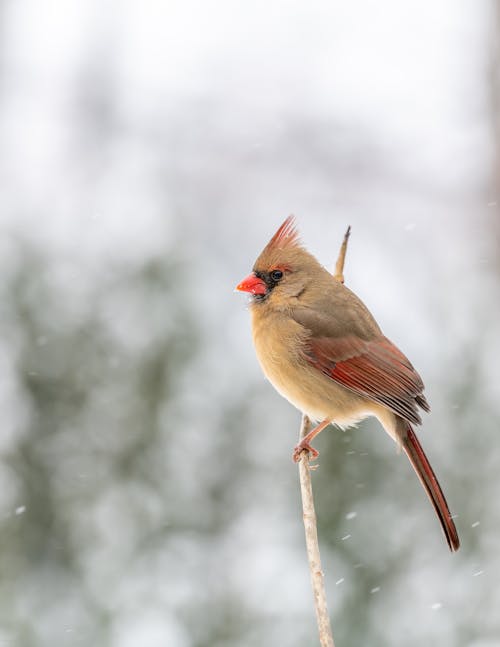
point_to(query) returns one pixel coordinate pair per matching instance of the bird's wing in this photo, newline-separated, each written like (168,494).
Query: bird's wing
(375,368)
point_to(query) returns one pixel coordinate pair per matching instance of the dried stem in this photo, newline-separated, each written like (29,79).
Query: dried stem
(311,530)
(339,265)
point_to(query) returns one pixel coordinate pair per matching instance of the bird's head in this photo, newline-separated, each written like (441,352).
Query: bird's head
(283,270)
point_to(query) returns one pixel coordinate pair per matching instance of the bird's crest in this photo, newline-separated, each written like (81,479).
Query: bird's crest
(283,250)
(286,236)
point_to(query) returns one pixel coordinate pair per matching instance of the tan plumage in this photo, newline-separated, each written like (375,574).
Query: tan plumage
(323,351)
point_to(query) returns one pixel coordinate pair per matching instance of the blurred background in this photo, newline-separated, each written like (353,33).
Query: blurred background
(148,151)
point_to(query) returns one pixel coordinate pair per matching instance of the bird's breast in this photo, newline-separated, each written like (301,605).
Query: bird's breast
(280,343)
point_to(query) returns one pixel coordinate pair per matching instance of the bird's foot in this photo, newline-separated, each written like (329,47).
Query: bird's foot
(304,446)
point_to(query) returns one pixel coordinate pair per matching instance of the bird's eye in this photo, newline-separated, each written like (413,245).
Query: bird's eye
(276,275)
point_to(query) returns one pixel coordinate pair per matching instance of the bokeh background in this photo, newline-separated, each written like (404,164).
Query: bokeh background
(147,153)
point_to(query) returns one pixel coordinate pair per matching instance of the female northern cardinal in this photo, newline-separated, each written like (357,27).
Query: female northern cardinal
(323,351)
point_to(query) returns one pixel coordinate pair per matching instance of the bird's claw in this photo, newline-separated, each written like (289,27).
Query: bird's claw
(304,447)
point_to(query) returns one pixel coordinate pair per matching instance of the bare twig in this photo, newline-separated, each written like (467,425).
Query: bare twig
(339,265)
(312,545)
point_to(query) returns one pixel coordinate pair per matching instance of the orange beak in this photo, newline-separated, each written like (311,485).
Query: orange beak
(252,284)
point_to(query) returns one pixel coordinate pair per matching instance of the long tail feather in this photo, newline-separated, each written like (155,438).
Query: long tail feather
(425,473)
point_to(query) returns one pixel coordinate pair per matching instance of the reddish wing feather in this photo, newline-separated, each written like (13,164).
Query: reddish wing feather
(375,369)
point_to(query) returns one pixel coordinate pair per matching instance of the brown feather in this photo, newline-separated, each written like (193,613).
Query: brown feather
(425,473)
(375,369)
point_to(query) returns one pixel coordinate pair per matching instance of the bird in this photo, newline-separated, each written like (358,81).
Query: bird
(322,349)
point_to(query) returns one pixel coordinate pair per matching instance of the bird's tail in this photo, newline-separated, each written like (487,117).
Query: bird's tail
(425,473)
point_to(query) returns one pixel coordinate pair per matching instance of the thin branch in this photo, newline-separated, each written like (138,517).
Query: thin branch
(311,530)
(339,265)
(312,546)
